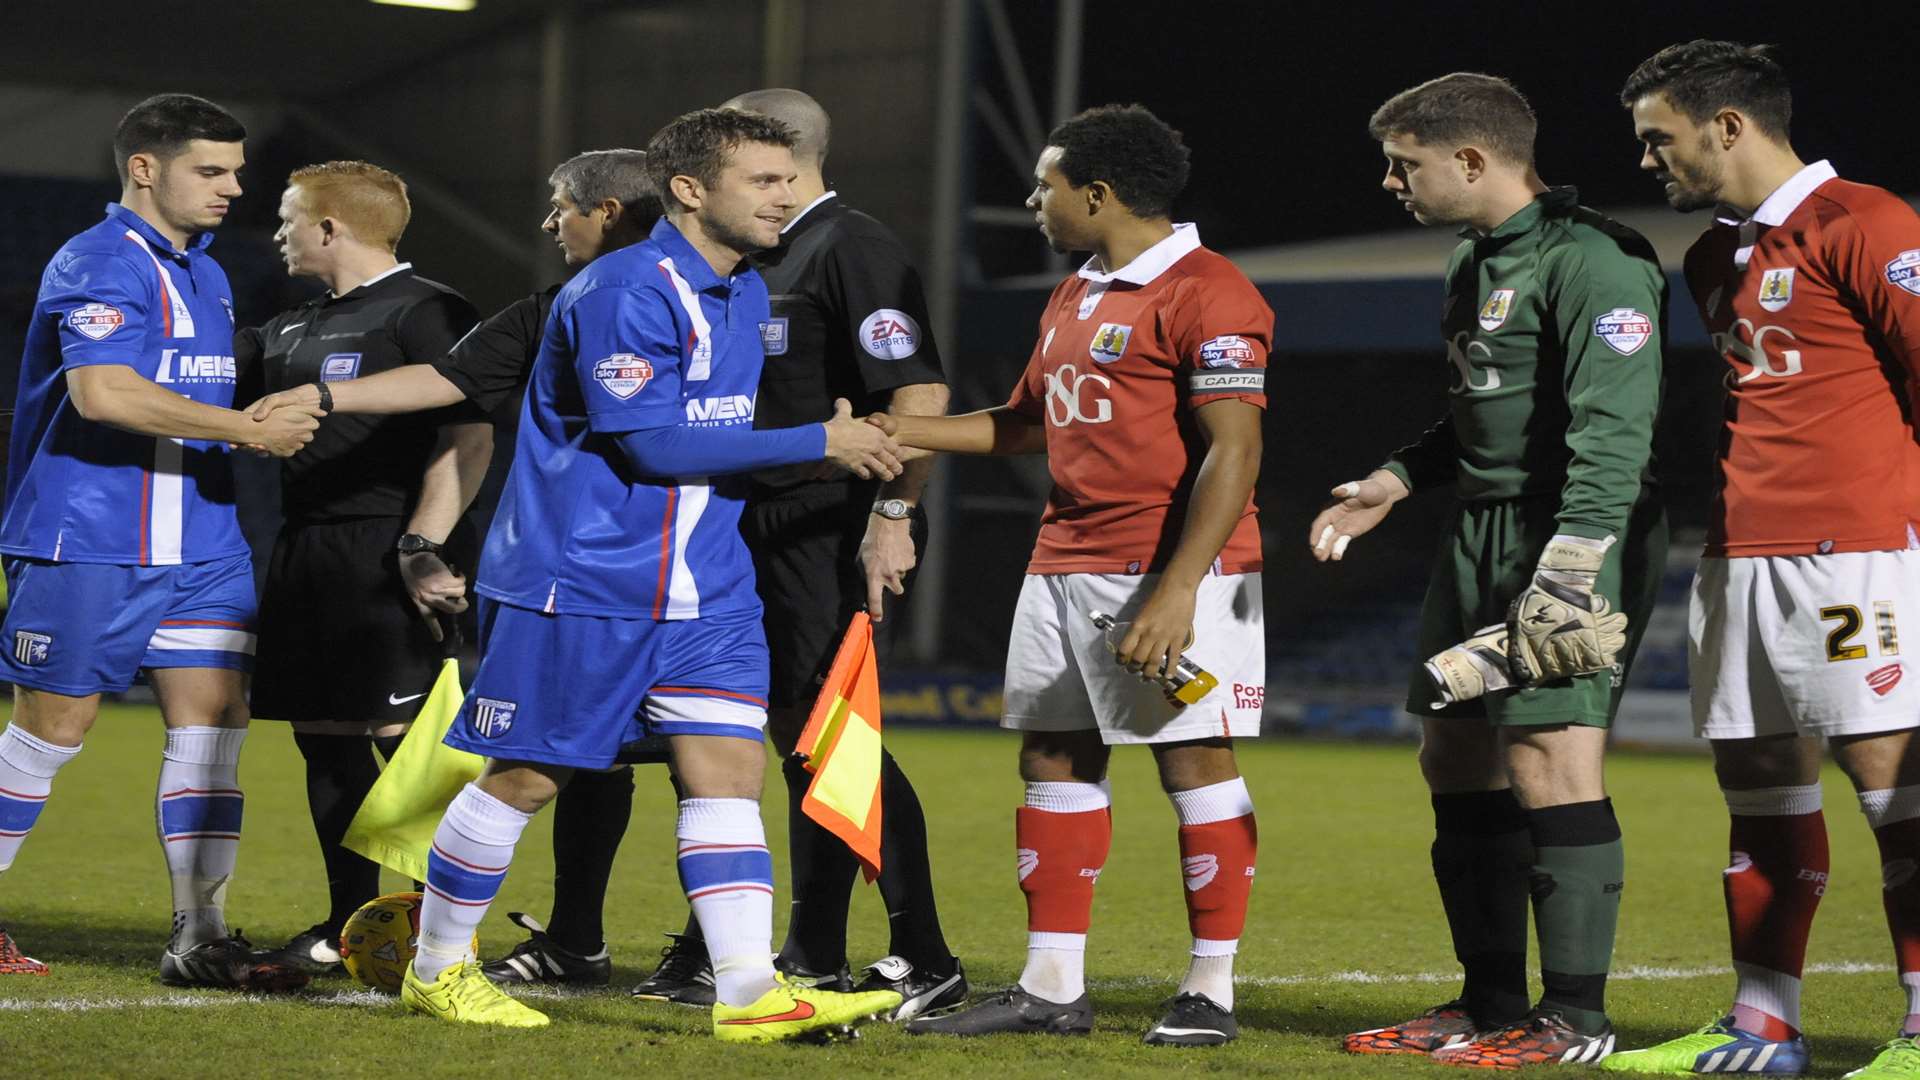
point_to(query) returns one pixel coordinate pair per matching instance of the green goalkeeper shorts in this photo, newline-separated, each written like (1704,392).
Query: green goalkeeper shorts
(1487,559)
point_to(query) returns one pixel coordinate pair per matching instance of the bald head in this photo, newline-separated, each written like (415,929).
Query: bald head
(798,111)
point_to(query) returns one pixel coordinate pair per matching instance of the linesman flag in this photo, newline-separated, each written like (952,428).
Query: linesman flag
(840,746)
(395,824)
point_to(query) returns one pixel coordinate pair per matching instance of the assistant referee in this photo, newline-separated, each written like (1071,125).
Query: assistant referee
(348,646)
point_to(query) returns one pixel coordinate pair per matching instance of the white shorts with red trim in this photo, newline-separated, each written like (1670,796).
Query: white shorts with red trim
(1809,644)
(1062,676)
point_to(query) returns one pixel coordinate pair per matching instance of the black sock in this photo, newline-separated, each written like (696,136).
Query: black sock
(1577,876)
(692,932)
(1481,856)
(340,772)
(822,869)
(906,880)
(589,819)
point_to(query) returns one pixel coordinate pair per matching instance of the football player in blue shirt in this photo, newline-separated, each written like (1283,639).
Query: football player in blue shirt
(617,597)
(121,548)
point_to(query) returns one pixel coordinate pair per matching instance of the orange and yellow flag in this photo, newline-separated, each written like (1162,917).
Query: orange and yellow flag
(841,748)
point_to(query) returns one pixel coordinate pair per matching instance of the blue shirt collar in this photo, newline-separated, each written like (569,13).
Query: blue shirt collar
(691,264)
(196,243)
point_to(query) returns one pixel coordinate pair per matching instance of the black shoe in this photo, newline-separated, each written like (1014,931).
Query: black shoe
(1193,1020)
(840,982)
(1011,1011)
(315,950)
(229,963)
(920,994)
(539,960)
(684,977)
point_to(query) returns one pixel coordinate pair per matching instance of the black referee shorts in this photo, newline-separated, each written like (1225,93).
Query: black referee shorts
(339,640)
(806,544)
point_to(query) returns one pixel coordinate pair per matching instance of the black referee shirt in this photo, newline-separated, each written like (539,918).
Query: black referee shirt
(849,320)
(492,362)
(357,466)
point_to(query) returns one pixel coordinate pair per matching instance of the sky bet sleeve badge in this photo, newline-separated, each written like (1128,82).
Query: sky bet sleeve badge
(1904,271)
(1624,330)
(96,320)
(622,374)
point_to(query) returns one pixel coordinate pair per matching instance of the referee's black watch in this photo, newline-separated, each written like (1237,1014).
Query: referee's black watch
(415,544)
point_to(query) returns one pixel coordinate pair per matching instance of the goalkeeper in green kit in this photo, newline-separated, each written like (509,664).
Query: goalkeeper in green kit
(1553,327)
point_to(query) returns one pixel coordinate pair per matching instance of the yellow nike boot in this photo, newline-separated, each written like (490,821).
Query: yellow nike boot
(792,1011)
(464,996)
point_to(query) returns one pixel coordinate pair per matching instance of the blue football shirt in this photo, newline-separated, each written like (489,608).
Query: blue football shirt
(80,491)
(645,337)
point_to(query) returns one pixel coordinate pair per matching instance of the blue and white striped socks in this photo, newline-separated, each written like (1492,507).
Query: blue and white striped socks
(27,765)
(197,811)
(468,862)
(728,876)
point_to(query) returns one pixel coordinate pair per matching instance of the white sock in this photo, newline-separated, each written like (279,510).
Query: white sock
(728,877)
(1211,973)
(1056,968)
(27,765)
(197,810)
(472,849)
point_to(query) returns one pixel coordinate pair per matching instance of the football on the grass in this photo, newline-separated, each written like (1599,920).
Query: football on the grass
(378,942)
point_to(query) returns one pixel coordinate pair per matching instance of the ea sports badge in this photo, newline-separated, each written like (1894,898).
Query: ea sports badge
(96,320)
(1776,289)
(890,334)
(1624,330)
(1904,271)
(1109,342)
(1493,313)
(622,374)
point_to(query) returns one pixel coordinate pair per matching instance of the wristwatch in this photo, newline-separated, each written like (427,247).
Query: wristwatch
(415,544)
(893,509)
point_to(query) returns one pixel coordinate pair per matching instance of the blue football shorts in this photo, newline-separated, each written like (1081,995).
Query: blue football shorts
(573,689)
(90,628)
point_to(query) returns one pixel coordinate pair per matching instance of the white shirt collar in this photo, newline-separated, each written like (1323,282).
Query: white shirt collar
(381,276)
(1785,199)
(805,210)
(1150,263)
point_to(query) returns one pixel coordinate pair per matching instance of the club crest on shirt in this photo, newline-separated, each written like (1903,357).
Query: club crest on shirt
(773,337)
(1493,313)
(336,367)
(1904,271)
(622,374)
(31,648)
(1776,288)
(1227,350)
(1623,330)
(890,334)
(95,320)
(1109,342)
(493,717)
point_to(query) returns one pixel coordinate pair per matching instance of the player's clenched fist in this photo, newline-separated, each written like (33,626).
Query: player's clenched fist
(1359,505)
(862,449)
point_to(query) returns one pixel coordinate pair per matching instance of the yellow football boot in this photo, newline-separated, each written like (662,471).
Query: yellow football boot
(464,996)
(792,1011)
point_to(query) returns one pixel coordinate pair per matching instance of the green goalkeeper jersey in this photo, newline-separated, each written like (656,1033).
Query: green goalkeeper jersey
(1554,326)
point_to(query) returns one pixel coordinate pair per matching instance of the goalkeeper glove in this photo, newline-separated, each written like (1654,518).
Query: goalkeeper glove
(1473,668)
(1558,627)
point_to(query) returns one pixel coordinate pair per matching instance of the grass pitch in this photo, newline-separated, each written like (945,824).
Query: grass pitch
(1345,932)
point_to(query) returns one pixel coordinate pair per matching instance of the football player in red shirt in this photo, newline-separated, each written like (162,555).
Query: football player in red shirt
(1145,390)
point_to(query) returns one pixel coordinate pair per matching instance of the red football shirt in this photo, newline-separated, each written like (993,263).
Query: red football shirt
(1815,303)
(1123,360)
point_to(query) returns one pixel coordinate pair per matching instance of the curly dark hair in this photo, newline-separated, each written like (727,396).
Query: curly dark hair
(1461,108)
(1702,77)
(699,144)
(1129,149)
(165,123)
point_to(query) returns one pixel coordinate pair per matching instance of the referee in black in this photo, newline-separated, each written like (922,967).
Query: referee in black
(849,320)
(348,645)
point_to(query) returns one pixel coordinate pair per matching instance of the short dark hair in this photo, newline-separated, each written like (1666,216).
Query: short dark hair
(165,123)
(1133,151)
(1461,108)
(598,175)
(698,144)
(1702,77)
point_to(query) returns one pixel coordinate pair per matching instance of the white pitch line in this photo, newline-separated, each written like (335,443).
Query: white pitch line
(375,999)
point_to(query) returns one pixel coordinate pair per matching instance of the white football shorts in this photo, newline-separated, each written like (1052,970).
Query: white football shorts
(1779,644)
(1061,676)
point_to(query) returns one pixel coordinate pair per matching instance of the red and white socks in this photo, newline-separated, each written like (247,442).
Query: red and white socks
(1063,834)
(1218,839)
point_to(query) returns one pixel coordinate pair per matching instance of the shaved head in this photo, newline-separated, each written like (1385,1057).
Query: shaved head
(798,111)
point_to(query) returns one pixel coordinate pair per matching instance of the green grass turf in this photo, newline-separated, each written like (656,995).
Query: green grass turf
(1344,888)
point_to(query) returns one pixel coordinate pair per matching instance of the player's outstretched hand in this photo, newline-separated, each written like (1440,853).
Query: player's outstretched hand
(306,395)
(860,448)
(284,431)
(1358,506)
(434,587)
(1158,634)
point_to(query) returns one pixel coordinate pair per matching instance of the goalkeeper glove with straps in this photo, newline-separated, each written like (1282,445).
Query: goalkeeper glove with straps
(1473,668)
(1558,627)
